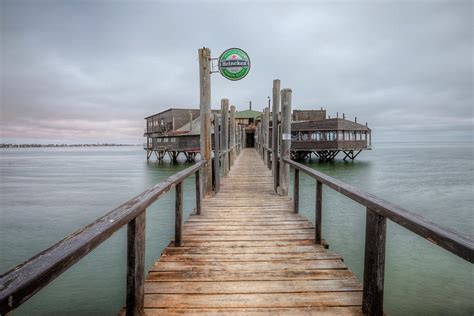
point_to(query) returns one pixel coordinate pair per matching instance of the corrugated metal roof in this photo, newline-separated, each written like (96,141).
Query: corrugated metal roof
(247,114)
(334,124)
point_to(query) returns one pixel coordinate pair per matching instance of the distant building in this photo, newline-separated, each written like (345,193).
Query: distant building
(326,137)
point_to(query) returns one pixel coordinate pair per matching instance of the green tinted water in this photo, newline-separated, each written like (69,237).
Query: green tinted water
(48,193)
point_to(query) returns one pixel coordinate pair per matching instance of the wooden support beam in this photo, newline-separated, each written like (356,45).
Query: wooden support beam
(285,140)
(205,113)
(232,136)
(319,212)
(374,263)
(217,174)
(178,231)
(198,191)
(275,141)
(135,265)
(296,192)
(225,136)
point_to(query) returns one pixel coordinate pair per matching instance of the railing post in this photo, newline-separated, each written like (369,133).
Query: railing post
(296,192)
(179,215)
(198,189)
(136,265)
(285,140)
(205,116)
(232,136)
(225,136)
(275,111)
(374,263)
(319,212)
(217,172)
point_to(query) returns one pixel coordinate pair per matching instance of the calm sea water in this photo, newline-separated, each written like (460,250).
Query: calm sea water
(45,194)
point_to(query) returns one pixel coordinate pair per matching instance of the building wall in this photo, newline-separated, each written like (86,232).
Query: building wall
(309,115)
(181,117)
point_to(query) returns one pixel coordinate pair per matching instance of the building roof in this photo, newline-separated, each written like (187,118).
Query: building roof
(170,109)
(246,114)
(333,124)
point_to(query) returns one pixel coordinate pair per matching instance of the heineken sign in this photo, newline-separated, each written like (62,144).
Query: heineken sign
(234,64)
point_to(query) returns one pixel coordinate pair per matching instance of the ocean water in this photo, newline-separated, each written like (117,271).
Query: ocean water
(47,193)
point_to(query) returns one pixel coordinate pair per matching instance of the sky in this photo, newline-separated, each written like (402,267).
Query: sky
(90,71)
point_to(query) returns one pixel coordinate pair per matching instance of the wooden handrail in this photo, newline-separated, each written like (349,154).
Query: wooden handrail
(378,210)
(455,242)
(26,279)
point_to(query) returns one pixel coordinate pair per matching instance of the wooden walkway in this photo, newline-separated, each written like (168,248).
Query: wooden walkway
(249,254)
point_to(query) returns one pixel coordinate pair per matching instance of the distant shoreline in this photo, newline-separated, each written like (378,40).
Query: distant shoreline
(62,145)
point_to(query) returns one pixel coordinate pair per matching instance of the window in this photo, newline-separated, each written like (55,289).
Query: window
(158,140)
(172,139)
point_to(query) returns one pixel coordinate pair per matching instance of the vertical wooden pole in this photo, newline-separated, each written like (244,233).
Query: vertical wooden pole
(198,191)
(319,212)
(179,215)
(374,263)
(225,136)
(296,192)
(264,136)
(275,111)
(205,113)
(267,136)
(217,175)
(136,265)
(232,135)
(244,138)
(285,140)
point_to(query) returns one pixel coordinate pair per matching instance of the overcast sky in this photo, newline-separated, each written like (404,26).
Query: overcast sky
(89,71)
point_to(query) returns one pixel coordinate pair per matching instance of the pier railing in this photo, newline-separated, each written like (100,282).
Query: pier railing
(378,211)
(26,279)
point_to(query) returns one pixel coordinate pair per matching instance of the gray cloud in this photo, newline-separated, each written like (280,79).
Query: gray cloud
(91,70)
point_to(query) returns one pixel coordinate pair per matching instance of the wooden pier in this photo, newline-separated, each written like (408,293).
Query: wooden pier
(246,251)
(249,253)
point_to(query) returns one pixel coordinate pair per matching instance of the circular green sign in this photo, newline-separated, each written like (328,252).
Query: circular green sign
(234,64)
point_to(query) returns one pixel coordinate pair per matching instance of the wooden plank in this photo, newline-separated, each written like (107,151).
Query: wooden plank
(245,250)
(247,287)
(247,243)
(323,255)
(307,311)
(221,275)
(248,266)
(248,253)
(253,300)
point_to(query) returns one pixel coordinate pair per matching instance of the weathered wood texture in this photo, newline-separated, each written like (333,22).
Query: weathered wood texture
(205,114)
(135,264)
(275,141)
(248,253)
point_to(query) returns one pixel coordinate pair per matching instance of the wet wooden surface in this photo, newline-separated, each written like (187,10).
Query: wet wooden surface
(249,254)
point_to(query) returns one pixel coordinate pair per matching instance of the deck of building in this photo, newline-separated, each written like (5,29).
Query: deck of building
(248,253)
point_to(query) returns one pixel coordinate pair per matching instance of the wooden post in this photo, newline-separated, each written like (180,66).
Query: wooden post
(267,136)
(264,136)
(225,136)
(285,140)
(319,212)
(275,111)
(205,113)
(244,138)
(198,191)
(190,121)
(217,175)
(179,215)
(374,263)
(135,265)
(296,192)
(232,135)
